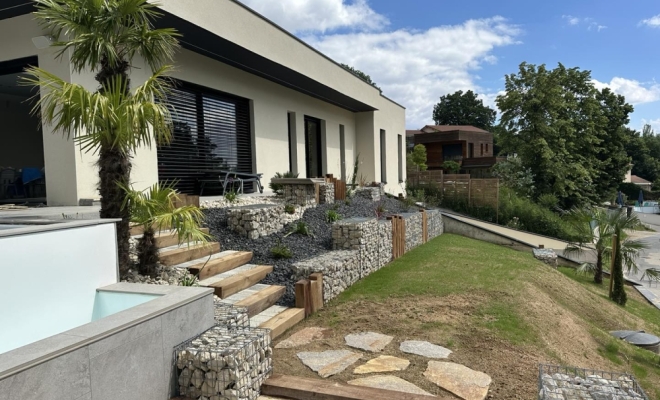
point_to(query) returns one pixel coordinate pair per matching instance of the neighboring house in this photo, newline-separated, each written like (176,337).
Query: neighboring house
(641,182)
(471,147)
(251,97)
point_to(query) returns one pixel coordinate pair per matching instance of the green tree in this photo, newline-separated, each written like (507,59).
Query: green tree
(643,164)
(593,230)
(452,167)
(361,75)
(618,293)
(557,122)
(155,209)
(417,157)
(463,109)
(106,37)
(515,176)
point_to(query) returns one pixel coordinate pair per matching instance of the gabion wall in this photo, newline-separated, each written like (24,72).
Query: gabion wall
(229,316)
(414,232)
(434,223)
(255,221)
(340,269)
(301,195)
(326,193)
(370,193)
(224,364)
(566,383)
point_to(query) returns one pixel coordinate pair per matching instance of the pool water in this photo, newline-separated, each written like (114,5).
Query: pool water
(108,303)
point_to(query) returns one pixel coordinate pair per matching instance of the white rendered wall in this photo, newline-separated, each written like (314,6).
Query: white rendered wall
(50,280)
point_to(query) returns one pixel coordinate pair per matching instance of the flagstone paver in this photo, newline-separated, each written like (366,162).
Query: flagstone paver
(303,337)
(382,364)
(330,362)
(425,349)
(462,381)
(389,382)
(369,341)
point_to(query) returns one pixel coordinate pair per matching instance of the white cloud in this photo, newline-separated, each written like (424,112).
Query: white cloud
(634,91)
(653,22)
(590,23)
(415,68)
(320,15)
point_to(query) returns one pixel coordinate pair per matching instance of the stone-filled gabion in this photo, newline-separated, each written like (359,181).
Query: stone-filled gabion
(258,220)
(548,256)
(230,317)
(414,232)
(301,195)
(340,270)
(434,224)
(224,365)
(566,383)
(370,193)
(326,193)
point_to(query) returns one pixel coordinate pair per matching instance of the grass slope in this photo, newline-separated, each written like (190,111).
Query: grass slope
(501,312)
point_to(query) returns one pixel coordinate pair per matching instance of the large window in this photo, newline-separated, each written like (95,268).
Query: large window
(400,156)
(342,152)
(383,157)
(211,134)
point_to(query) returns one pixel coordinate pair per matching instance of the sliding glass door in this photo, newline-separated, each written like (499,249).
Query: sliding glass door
(313,153)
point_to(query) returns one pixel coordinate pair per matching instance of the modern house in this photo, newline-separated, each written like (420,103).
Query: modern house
(251,97)
(470,147)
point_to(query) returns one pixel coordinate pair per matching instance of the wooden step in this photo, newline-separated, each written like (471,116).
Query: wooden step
(283,321)
(177,255)
(219,265)
(299,388)
(238,281)
(170,238)
(261,300)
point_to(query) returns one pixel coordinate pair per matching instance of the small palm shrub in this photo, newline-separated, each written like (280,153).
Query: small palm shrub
(155,209)
(290,209)
(300,228)
(277,188)
(188,280)
(332,216)
(280,250)
(231,196)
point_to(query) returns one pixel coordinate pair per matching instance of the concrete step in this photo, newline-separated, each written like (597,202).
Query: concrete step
(257,298)
(237,279)
(278,319)
(174,255)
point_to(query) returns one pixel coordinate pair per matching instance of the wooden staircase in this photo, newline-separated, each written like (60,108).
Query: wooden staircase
(233,279)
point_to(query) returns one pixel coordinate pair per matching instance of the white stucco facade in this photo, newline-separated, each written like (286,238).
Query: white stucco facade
(72,175)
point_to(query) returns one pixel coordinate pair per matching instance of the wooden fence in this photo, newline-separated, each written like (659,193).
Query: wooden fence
(477,192)
(398,236)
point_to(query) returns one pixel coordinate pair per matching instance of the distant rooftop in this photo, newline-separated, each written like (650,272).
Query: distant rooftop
(638,180)
(410,133)
(451,128)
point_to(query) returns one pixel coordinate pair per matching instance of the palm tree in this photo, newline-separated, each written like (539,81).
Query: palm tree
(594,229)
(105,36)
(155,209)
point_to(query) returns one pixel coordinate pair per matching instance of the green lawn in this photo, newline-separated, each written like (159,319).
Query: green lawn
(529,305)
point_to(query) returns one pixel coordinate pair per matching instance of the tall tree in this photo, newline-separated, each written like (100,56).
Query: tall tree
(361,75)
(558,122)
(645,163)
(106,37)
(463,109)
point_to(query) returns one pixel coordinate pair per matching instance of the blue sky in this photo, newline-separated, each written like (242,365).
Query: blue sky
(418,50)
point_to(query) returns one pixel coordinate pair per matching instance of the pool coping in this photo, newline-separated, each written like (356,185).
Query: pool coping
(171,297)
(38,225)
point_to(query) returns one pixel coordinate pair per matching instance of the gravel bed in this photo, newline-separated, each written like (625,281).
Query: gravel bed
(303,247)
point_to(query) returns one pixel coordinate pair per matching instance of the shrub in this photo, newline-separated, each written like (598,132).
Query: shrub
(301,228)
(332,216)
(451,167)
(289,209)
(632,192)
(277,188)
(188,280)
(231,196)
(549,201)
(280,250)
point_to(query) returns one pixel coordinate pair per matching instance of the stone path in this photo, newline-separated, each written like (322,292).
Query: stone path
(460,380)
(369,341)
(330,362)
(382,364)
(389,382)
(464,382)
(424,349)
(303,337)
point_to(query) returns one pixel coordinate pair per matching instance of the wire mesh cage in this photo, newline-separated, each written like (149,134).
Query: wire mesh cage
(567,383)
(224,364)
(230,316)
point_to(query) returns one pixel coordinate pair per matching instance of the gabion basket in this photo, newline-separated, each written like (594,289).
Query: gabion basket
(567,383)
(231,317)
(224,364)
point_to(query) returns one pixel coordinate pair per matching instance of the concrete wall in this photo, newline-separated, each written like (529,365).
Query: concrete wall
(128,355)
(457,227)
(39,266)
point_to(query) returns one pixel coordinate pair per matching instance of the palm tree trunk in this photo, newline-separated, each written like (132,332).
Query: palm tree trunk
(148,253)
(114,166)
(598,276)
